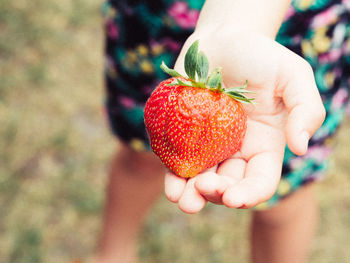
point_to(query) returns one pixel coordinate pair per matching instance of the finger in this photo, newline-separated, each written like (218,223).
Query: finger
(262,175)
(233,168)
(229,172)
(174,186)
(304,105)
(191,201)
(211,186)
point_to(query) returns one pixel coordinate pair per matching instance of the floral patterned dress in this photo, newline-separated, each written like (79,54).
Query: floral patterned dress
(142,34)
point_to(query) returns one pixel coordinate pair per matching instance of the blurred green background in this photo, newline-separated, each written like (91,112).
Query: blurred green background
(55,147)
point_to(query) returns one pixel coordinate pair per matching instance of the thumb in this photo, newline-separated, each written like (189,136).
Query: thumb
(306,112)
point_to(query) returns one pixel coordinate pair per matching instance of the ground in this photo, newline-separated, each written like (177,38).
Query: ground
(55,147)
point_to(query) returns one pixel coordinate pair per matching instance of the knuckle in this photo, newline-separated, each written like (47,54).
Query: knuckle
(318,112)
(323,113)
(264,192)
(171,198)
(305,66)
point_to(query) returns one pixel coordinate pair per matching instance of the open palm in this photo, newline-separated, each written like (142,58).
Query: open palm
(288,109)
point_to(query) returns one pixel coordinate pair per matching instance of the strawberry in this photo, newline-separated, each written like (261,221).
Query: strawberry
(193,122)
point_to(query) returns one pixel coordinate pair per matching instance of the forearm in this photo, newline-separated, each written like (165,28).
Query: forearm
(259,16)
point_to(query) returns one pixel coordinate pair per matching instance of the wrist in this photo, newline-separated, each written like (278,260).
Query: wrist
(262,17)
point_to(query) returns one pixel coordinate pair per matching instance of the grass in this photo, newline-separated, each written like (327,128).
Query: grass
(55,147)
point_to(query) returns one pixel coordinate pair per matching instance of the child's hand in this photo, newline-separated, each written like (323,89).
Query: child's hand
(289,109)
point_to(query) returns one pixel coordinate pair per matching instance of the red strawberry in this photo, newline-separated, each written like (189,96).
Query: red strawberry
(194,125)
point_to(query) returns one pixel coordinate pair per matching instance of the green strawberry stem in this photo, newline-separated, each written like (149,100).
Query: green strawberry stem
(197,70)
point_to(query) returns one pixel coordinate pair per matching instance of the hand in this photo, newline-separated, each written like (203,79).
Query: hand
(289,109)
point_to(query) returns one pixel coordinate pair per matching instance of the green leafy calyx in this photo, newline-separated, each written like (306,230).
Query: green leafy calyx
(197,70)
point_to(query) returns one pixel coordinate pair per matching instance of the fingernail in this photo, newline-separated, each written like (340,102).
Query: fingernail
(305,136)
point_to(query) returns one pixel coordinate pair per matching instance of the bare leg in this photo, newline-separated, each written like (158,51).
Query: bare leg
(284,233)
(135,182)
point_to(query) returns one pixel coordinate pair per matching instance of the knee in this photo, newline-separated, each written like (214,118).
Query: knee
(298,206)
(273,217)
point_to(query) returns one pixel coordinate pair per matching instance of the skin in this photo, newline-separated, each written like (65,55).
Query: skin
(289,110)
(280,234)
